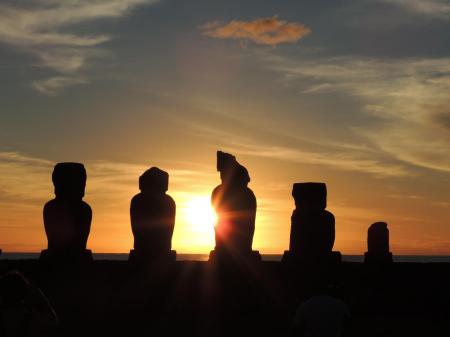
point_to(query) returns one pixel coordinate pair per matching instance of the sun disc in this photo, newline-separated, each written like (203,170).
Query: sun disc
(200,215)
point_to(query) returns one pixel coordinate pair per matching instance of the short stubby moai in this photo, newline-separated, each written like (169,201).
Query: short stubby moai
(312,226)
(378,244)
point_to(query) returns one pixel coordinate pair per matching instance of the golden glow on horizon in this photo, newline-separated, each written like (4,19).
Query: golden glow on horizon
(111,187)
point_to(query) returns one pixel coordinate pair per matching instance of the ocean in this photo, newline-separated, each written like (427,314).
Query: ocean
(268,257)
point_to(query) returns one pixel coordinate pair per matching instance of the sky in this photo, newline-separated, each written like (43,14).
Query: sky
(353,93)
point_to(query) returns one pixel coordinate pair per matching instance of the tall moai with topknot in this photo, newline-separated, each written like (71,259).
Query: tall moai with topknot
(235,205)
(312,226)
(378,244)
(152,213)
(67,218)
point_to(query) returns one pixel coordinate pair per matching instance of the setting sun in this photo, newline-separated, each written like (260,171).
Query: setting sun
(200,215)
(195,221)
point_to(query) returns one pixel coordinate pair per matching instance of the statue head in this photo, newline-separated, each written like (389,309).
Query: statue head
(154,181)
(241,177)
(378,237)
(69,180)
(311,196)
(226,164)
(231,172)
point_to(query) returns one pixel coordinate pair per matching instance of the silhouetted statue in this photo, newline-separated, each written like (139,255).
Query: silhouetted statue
(152,214)
(312,227)
(235,205)
(67,218)
(378,244)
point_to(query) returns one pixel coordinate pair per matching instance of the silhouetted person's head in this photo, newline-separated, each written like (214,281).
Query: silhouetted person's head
(69,180)
(14,288)
(154,181)
(310,196)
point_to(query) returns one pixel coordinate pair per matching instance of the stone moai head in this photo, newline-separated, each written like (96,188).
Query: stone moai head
(378,238)
(231,172)
(69,180)
(154,181)
(241,177)
(310,196)
(226,165)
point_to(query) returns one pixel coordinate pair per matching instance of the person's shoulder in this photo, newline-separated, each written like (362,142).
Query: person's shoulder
(337,303)
(303,309)
(322,300)
(343,305)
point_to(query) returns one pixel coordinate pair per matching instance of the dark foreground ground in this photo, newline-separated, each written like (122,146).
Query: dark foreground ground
(186,298)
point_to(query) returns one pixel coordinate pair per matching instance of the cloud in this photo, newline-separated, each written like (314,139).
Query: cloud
(434,8)
(43,29)
(442,119)
(349,161)
(344,157)
(266,31)
(51,86)
(404,96)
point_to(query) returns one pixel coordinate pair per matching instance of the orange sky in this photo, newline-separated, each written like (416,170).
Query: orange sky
(352,94)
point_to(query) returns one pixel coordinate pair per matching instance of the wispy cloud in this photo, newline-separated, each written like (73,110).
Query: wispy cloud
(434,8)
(335,156)
(47,30)
(406,96)
(349,161)
(51,86)
(442,118)
(22,177)
(266,31)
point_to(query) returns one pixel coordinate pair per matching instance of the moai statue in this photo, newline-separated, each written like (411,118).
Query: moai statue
(312,227)
(67,218)
(152,213)
(378,244)
(235,205)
